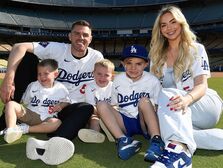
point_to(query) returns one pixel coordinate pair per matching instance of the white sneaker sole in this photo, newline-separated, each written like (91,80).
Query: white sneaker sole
(12,135)
(57,150)
(106,131)
(160,165)
(91,136)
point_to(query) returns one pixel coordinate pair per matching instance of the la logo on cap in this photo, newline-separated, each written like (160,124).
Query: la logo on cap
(133,49)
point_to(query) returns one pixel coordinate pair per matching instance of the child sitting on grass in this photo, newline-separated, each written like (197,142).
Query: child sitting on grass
(133,112)
(96,91)
(41,102)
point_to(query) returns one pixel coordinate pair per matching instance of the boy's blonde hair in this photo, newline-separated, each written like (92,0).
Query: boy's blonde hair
(105,63)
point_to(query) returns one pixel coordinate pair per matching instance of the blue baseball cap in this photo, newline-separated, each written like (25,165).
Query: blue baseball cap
(135,51)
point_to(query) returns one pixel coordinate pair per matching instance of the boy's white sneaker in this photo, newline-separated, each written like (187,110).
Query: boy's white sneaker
(106,131)
(56,150)
(24,127)
(91,136)
(12,134)
(174,156)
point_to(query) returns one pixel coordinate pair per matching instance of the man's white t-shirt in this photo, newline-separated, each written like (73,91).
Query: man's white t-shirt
(73,73)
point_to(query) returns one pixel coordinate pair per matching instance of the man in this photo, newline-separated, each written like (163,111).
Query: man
(76,63)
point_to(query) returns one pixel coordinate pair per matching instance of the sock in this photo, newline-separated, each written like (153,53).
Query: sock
(24,127)
(157,137)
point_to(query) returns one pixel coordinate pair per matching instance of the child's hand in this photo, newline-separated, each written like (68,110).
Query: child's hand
(54,109)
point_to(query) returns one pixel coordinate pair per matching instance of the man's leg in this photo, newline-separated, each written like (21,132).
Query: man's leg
(2,121)
(25,74)
(73,117)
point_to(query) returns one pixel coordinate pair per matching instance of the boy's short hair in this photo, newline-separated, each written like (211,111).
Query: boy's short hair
(105,63)
(49,62)
(135,51)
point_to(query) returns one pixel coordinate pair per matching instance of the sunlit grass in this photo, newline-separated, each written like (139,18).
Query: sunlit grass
(102,155)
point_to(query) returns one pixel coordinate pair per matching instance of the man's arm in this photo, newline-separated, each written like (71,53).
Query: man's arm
(16,55)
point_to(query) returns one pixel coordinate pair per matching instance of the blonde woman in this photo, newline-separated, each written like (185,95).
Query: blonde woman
(185,102)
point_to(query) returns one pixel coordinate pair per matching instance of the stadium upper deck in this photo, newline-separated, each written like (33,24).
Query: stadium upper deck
(116,23)
(139,15)
(98,3)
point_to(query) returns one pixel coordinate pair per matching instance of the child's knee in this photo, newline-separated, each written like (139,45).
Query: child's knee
(9,104)
(144,101)
(55,121)
(13,107)
(101,106)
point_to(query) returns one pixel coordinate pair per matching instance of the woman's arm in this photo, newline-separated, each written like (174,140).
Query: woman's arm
(200,87)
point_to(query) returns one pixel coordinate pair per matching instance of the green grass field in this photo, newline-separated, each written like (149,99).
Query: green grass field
(102,155)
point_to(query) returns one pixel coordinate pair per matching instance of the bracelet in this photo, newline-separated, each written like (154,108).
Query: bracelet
(191,96)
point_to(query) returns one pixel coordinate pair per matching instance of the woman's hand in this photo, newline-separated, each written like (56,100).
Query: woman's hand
(179,102)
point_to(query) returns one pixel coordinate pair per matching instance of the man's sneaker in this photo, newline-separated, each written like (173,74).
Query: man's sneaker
(174,156)
(127,147)
(155,149)
(106,131)
(12,134)
(56,150)
(91,136)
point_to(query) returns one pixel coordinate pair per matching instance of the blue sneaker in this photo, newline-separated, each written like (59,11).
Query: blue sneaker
(174,157)
(127,147)
(155,149)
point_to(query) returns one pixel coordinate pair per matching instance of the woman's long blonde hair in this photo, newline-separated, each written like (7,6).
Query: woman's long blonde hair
(159,45)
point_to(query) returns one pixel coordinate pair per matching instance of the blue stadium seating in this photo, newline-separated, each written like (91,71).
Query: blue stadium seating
(53,21)
(59,18)
(212,13)
(6,17)
(53,18)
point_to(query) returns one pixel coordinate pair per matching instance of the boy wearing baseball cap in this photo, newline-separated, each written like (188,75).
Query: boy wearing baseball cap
(134,94)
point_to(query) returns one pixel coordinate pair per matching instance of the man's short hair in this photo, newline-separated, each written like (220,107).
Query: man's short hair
(81,23)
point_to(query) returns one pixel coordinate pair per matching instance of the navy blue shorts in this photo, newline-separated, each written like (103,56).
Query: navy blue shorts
(133,126)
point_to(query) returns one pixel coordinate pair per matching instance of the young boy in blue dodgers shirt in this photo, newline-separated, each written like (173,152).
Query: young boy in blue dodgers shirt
(132,112)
